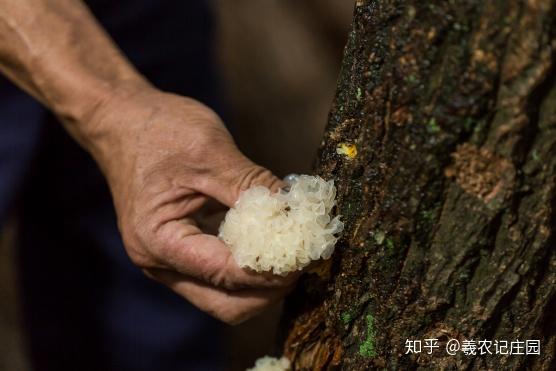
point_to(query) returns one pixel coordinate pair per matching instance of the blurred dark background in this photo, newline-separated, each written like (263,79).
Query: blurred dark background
(279,62)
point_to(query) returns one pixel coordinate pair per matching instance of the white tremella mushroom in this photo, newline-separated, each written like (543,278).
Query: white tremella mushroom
(267,363)
(284,231)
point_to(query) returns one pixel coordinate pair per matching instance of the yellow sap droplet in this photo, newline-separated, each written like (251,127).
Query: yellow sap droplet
(347,149)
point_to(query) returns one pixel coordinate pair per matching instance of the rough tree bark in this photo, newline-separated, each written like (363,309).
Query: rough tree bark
(446,117)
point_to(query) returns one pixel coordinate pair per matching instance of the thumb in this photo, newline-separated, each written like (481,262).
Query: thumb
(226,184)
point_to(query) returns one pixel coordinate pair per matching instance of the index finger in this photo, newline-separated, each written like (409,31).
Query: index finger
(185,249)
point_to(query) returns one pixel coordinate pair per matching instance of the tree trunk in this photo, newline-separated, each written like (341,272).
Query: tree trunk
(442,143)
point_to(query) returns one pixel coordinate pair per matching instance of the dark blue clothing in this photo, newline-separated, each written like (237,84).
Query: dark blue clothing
(86,307)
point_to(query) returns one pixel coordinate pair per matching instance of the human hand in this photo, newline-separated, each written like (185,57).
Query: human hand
(164,157)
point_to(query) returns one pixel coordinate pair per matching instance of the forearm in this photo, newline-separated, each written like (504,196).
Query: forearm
(56,51)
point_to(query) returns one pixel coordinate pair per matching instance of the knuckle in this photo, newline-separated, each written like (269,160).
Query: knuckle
(225,276)
(138,257)
(224,280)
(256,175)
(134,242)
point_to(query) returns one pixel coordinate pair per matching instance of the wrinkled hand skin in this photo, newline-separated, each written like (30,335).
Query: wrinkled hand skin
(164,156)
